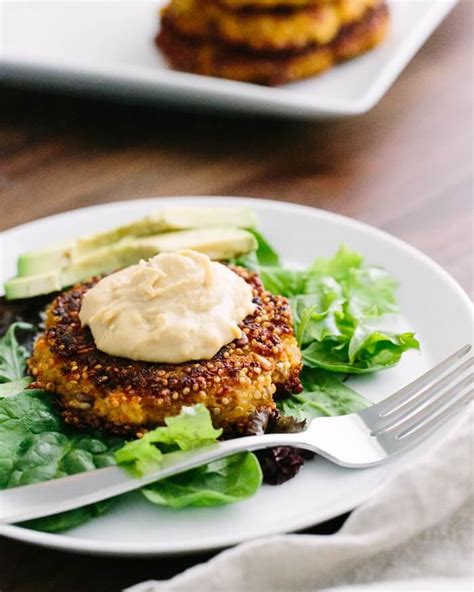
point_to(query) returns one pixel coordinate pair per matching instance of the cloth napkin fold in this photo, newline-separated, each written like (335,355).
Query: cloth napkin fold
(415,534)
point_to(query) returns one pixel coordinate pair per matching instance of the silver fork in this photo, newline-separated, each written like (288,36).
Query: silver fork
(358,440)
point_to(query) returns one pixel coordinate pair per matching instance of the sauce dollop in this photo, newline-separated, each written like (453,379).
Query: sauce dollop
(173,308)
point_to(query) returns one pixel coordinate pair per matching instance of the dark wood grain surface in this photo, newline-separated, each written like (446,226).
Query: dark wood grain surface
(405,167)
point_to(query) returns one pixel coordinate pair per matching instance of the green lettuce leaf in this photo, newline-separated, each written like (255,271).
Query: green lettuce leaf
(318,315)
(282,281)
(338,266)
(370,293)
(366,352)
(192,428)
(335,304)
(13,356)
(332,302)
(220,482)
(324,395)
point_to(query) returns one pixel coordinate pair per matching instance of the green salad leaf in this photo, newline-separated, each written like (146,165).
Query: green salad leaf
(365,352)
(36,446)
(192,428)
(319,315)
(72,518)
(324,395)
(266,254)
(335,303)
(8,389)
(369,290)
(285,282)
(221,482)
(13,356)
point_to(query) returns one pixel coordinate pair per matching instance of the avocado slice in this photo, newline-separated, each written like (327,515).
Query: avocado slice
(33,285)
(161,221)
(217,243)
(172,218)
(47,259)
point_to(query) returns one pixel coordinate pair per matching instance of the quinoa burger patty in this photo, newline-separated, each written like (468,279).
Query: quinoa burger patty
(212,58)
(269,4)
(264,29)
(122,396)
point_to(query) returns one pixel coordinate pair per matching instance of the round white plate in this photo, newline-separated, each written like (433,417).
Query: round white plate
(433,305)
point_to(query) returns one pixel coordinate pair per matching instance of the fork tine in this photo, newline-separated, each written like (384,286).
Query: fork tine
(427,408)
(394,443)
(416,401)
(392,403)
(410,437)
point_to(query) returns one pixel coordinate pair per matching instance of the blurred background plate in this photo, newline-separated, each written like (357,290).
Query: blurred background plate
(107,48)
(433,305)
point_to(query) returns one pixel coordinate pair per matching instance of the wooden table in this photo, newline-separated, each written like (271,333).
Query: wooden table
(405,167)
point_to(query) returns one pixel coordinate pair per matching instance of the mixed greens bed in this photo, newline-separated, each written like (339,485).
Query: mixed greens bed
(336,304)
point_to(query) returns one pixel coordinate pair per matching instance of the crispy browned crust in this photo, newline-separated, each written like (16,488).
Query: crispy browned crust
(96,390)
(212,58)
(259,28)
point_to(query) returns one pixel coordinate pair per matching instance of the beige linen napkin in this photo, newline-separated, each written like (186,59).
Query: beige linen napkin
(415,534)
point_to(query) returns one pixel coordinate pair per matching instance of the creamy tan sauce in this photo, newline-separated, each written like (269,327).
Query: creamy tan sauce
(173,308)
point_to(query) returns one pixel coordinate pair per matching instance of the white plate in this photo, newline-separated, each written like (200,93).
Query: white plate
(107,48)
(433,305)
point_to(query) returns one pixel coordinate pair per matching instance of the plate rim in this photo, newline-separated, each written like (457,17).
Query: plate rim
(233,95)
(65,542)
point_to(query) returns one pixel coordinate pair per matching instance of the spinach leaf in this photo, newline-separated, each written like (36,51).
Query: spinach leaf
(35,446)
(71,519)
(13,356)
(266,254)
(8,389)
(220,482)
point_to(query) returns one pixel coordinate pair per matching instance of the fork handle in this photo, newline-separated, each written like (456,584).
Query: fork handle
(67,493)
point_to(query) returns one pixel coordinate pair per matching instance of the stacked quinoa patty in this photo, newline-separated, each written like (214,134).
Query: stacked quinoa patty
(268,41)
